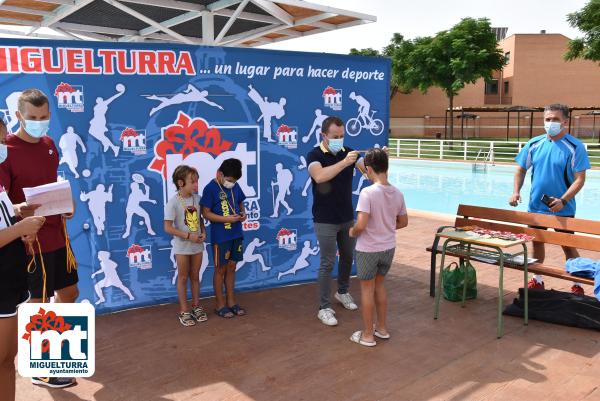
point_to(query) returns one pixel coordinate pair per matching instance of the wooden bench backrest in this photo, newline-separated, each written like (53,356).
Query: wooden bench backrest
(587,232)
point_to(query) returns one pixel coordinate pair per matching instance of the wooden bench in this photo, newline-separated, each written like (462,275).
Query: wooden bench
(586,236)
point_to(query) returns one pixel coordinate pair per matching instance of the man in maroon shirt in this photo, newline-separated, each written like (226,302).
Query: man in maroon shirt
(33,160)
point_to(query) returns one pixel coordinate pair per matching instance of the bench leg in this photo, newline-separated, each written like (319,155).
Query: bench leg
(432,273)
(438,293)
(500,325)
(525,288)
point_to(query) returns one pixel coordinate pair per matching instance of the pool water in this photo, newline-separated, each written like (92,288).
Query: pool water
(442,186)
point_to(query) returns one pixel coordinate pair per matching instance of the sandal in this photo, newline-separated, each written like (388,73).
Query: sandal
(199,314)
(357,338)
(224,312)
(237,310)
(186,319)
(380,335)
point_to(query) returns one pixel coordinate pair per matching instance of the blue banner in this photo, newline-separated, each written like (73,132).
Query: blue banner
(124,116)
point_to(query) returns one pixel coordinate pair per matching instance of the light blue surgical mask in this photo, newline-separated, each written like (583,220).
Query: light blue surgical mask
(552,127)
(335,145)
(3,152)
(37,128)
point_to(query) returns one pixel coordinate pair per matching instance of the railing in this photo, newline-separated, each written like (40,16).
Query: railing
(467,150)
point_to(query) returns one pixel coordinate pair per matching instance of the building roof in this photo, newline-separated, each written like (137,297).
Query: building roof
(208,22)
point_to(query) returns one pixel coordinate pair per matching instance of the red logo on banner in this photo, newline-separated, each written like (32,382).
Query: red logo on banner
(186,136)
(128,132)
(62,88)
(329,91)
(284,129)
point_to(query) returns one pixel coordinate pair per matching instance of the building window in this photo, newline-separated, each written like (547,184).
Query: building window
(507,57)
(491,88)
(506,87)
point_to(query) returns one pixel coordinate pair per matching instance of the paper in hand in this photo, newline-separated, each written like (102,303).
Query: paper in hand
(55,198)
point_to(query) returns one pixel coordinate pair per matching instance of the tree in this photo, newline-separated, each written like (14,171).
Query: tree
(388,51)
(587,20)
(449,60)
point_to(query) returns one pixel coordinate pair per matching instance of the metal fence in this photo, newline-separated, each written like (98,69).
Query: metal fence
(468,150)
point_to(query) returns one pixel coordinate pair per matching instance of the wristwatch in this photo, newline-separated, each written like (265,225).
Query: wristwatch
(564,202)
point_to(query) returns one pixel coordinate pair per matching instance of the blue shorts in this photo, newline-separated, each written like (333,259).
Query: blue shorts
(227,251)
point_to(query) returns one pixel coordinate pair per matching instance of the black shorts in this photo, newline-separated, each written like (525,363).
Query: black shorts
(10,299)
(57,276)
(228,251)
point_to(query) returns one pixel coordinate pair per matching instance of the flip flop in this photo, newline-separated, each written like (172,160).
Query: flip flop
(223,312)
(382,336)
(237,310)
(356,337)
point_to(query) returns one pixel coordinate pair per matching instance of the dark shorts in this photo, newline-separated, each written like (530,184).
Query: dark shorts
(228,251)
(371,264)
(10,299)
(57,276)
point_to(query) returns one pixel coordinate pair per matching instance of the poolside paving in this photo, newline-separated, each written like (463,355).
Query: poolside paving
(280,351)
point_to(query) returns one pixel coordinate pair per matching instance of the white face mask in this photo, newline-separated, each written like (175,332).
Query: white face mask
(228,184)
(37,128)
(3,152)
(552,128)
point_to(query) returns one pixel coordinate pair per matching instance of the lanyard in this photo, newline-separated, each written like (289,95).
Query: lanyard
(232,196)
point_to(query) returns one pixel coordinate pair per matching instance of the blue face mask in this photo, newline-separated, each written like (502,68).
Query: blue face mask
(37,128)
(335,145)
(552,127)
(3,152)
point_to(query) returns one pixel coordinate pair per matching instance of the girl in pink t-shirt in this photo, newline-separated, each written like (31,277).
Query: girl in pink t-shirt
(381,211)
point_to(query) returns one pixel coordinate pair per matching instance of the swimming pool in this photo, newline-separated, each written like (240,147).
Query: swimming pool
(442,186)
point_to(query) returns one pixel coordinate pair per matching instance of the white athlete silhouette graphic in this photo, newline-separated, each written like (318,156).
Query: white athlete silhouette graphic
(363,108)
(97,200)
(140,192)
(363,177)
(250,256)
(284,181)
(111,278)
(301,262)
(10,116)
(190,94)
(268,110)
(316,127)
(98,128)
(68,145)
(302,166)
(203,266)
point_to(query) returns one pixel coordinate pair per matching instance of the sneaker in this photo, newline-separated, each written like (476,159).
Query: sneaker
(186,319)
(535,285)
(577,290)
(346,300)
(54,382)
(327,317)
(199,314)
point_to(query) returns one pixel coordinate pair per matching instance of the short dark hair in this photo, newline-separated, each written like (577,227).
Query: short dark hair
(181,173)
(231,168)
(34,97)
(377,159)
(329,121)
(563,108)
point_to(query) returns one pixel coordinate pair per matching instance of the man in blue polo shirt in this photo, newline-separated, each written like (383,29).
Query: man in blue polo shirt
(331,167)
(558,163)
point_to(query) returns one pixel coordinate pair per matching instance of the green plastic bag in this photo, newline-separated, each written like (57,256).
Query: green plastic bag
(453,277)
